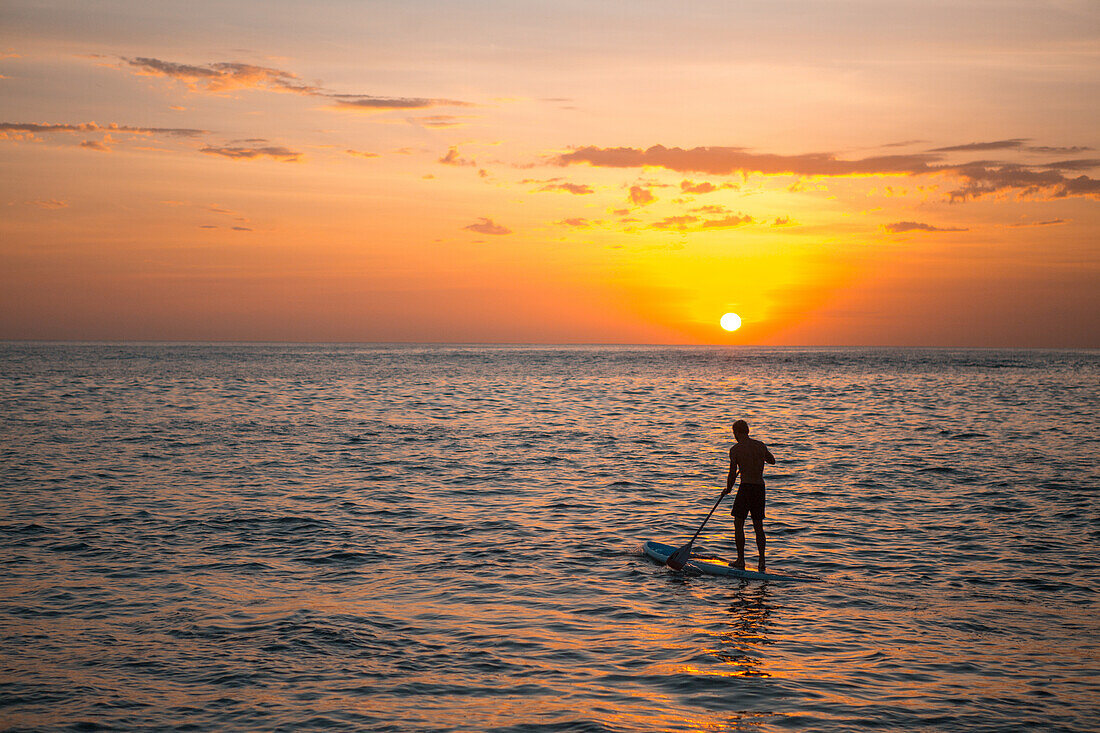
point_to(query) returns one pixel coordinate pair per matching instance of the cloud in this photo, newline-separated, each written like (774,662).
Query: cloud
(361,153)
(225,76)
(686,222)
(1063,150)
(368,103)
(241,229)
(95,145)
(981,180)
(439,120)
(915,226)
(710,209)
(675,222)
(782,221)
(243,153)
(727,222)
(978,177)
(1047,223)
(576,221)
(1080,186)
(641,196)
(577,189)
(1013,144)
(49,203)
(453,158)
(728,160)
(34,127)
(487,226)
(1080,164)
(704,187)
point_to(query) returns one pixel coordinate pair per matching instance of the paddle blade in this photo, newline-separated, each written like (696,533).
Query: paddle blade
(679,559)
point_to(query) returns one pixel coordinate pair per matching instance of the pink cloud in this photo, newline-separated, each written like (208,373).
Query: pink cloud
(727,160)
(242,153)
(899,227)
(577,189)
(485,225)
(641,196)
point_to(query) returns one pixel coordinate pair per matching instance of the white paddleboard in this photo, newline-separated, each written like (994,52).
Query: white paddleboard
(714,565)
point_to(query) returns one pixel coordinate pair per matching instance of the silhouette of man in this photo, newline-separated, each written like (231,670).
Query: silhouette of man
(748,457)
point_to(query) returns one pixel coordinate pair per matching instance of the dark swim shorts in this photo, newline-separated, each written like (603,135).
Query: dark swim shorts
(750,498)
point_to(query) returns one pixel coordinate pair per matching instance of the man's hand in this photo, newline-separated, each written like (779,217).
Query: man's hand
(727,491)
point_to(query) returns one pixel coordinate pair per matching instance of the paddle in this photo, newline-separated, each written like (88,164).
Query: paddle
(678,559)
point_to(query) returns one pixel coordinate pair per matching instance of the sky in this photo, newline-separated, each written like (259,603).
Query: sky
(835,172)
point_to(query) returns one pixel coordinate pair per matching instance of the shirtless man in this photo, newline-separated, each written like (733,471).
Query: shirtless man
(748,456)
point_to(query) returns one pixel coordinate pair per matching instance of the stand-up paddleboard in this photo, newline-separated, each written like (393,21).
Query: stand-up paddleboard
(714,565)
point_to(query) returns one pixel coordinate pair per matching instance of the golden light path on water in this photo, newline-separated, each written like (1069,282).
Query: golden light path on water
(447,538)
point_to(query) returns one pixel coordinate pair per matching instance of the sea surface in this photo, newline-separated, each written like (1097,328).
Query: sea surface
(226,537)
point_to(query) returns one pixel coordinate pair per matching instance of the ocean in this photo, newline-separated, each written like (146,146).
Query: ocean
(215,537)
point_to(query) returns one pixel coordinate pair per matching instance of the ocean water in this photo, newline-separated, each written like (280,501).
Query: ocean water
(439,538)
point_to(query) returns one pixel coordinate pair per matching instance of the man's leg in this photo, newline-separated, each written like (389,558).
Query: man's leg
(761,542)
(739,535)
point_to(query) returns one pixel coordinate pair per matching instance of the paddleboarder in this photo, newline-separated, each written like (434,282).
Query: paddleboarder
(747,457)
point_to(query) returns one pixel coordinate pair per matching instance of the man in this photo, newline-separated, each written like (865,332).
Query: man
(748,456)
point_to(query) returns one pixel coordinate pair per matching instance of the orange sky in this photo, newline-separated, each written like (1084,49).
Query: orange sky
(860,173)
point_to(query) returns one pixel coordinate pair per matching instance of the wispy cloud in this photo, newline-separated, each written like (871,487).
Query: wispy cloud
(899,227)
(979,178)
(1014,143)
(686,222)
(1080,164)
(727,222)
(702,187)
(1047,223)
(728,160)
(48,128)
(681,222)
(982,180)
(49,203)
(224,76)
(243,153)
(1059,150)
(439,120)
(485,225)
(577,189)
(903,143)
(368,103)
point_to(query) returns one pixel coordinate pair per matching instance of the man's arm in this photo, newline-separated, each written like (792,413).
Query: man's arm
(768,456)
(732,474)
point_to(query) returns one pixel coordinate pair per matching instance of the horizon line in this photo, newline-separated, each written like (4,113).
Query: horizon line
(532,343)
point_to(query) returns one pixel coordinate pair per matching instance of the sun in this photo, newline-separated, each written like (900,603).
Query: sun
(731,321)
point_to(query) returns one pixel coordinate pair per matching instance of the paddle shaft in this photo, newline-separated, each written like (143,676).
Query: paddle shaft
(720,497)
(678,559)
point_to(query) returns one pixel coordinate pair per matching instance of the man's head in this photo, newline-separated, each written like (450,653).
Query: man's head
(740,428)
